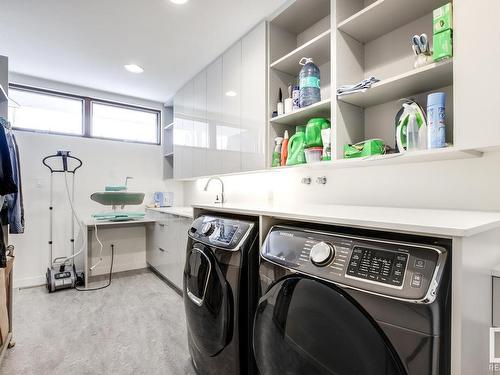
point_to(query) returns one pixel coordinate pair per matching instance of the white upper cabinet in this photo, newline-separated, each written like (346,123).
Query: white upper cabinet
(220,115)
(184,132)
(253,99)
(200,125)
(214,116)
(229,133)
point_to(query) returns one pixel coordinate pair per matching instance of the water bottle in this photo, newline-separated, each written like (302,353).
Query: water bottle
(309,78)
(412,136)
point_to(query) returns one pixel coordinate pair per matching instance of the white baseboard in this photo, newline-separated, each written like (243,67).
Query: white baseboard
(29,282)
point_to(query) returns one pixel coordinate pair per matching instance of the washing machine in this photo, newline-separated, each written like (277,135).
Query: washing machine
(221,294)
(343,304)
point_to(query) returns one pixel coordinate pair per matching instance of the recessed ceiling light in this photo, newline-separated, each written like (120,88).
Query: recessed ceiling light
(180,2)
(231,93)
(133,68)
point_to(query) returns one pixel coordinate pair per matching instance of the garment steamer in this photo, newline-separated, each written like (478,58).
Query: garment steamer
(62,272)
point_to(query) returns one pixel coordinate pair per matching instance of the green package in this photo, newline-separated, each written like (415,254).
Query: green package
(442,18)
(443,45)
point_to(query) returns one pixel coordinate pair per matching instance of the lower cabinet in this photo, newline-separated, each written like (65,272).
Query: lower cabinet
(166,242)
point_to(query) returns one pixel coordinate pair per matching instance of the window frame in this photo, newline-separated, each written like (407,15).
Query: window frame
(87,114)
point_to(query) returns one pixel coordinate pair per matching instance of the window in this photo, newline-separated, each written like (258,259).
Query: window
(117,122)
(54,112)
(46,112)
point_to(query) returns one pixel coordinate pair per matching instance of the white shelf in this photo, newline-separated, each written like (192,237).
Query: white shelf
(442,154)
(383,16)
(427,78)
(317,48)
(302,14)
(302,115)
(169,126)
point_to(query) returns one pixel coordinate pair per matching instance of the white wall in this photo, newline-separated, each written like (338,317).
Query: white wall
(105,162)
(470,184)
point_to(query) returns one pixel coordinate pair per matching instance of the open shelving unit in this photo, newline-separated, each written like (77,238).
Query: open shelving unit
(404,85)
(352,41)
(372,38)
(302,115)
(168,143)
(301,30)
(318,48)
(383,16)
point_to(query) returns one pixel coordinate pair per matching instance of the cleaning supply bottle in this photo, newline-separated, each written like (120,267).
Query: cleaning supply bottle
(284,149)
(326,138)
(436,132)
(309,82)
(313,131)
(277,152)
(412,136)
(296,147)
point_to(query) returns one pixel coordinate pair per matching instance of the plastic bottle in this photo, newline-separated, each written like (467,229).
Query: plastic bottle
(309,82)
(277,152)
(436,132)
(412,136)
(284,149)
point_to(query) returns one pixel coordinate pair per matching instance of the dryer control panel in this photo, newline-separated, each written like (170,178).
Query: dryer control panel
(395,269)
(220,232)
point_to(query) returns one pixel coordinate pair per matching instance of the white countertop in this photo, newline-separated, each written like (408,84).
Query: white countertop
(179,211)
(447,223)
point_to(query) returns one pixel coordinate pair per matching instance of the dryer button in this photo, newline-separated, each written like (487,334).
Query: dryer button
(416,280)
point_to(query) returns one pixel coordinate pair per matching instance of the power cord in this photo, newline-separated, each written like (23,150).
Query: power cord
(100,245)
(110,273)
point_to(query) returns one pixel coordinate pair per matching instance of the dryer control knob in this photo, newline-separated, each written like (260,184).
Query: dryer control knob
(207,228)
(322,253)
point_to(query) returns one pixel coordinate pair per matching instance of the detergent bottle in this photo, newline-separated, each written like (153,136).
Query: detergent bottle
(284,149)
(296,146)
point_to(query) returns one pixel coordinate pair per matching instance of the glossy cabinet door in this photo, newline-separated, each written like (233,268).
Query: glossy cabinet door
(183,132)
(220,115)
(200,125)
(253,98)
(214,116)
(229,132)
(177,137)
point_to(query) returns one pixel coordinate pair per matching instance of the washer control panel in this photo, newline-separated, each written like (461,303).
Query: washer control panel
(396,269)
(218,231)
(322,253)
(386,267)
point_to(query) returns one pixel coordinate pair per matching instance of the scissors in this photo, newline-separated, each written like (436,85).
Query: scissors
(420,43)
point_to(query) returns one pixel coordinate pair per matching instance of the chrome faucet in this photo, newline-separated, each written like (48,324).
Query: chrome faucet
(217,200)
(126,181)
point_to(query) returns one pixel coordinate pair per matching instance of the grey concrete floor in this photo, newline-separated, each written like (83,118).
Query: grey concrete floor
(135,326)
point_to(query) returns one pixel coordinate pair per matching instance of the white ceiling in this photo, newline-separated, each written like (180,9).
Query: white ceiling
(87,42)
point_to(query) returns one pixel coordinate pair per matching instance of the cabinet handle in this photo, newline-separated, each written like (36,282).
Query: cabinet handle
(161,225)
(161,249)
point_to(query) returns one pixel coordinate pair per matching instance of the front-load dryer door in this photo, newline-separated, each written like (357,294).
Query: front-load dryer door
(207,301)
(307,327)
